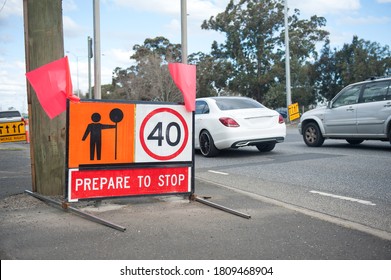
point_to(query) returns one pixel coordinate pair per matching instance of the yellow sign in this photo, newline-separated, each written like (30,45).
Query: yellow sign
(293,110)
(12,132)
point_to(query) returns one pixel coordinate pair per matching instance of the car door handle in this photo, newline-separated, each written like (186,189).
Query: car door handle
(350,109)
(387,105)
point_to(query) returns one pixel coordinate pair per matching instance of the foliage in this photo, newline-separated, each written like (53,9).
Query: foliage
(149,79)
(355,62)
(255,43)
(251,60)
(361,60)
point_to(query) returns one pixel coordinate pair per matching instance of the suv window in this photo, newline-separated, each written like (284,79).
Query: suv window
(375,92)
(348,97)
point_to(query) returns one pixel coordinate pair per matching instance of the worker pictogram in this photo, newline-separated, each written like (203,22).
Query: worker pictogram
(101,133)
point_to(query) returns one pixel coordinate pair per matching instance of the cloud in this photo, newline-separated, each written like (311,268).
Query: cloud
(120,55)
(11,8)
(13,85)
(368,20)
(197,9)
(69,5)
(324,7)
(71,28)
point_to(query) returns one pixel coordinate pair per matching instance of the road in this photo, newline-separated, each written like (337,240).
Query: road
(288,221)
(337,180)
(15,170)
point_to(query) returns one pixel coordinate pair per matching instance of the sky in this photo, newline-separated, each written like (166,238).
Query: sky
(125,23)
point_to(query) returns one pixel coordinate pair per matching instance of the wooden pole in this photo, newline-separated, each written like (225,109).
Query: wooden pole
(44,43)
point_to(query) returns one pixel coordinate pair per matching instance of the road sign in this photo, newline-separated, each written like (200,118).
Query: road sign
(293,110)
(128,182)
(12,132)
(100,133)
(165,133)
(128,149)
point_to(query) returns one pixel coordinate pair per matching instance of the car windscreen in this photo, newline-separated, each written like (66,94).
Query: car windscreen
(9,114)
(237,103)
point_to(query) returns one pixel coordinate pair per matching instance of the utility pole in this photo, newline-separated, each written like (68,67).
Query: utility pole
(184,30)
(44,43)
(97,68)
(287,58)
(90,55)
(77,72)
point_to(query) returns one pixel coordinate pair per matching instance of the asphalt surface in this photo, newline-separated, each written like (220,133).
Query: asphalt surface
(167,227)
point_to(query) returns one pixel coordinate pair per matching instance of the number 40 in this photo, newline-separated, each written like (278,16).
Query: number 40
(157,134)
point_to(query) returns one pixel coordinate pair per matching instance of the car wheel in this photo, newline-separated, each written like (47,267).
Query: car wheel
(207,146)
(312,135)
(266,147)
(354,141)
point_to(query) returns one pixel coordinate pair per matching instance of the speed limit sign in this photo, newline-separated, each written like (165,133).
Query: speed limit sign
(163,133)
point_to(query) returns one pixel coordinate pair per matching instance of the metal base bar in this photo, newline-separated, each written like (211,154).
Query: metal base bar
(65,206)
(220,207)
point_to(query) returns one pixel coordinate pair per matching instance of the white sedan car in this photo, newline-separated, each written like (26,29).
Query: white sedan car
(10,116)
(234,122)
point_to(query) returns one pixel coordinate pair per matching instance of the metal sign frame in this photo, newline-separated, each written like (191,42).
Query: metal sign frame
(122,175)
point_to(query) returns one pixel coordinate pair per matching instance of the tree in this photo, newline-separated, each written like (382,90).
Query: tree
(149,78)
(255,43)
(159,46)
(354,62)
(361,60)
(328,81)
(213,74)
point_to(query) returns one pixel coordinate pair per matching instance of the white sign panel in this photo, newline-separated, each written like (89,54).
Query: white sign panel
(163,133)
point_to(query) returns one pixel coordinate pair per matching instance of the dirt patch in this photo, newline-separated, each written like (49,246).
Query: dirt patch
(19,201)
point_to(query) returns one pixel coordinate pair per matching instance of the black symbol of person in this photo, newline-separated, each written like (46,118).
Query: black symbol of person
(95,131)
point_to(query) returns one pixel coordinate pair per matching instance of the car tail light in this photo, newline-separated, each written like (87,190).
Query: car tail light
(229,122)
(280,119)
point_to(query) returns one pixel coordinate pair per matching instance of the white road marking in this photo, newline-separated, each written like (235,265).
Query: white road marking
(218,172)
(332,219)
(345,198)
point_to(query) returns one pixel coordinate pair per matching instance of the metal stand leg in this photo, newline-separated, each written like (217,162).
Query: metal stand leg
(65,206)
(220,207)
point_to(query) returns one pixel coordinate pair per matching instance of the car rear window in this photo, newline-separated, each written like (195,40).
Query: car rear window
(237,103)
(9,114)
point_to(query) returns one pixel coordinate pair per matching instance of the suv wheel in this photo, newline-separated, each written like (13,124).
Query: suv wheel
(207,146)
(312,135)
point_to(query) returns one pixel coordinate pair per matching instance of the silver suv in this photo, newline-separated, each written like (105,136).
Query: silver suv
(360,111)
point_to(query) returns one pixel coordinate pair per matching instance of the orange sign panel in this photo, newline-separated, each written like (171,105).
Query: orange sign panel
(100,133)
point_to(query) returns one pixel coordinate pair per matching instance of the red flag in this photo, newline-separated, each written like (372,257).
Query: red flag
(184,77)
(53,85)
